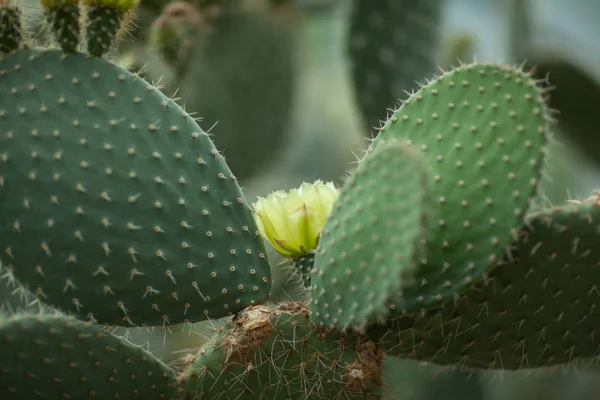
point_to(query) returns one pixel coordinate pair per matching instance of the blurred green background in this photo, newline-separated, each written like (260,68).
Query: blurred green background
(293,90)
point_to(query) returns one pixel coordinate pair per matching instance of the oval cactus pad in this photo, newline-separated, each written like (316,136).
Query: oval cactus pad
(59,357)
(115,204)
(482,129)
(537,311)
(370,245)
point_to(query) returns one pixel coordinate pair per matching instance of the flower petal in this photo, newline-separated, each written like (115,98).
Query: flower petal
(292,221)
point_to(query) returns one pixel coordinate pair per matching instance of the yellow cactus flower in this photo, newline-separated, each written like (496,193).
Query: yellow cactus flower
(292,221)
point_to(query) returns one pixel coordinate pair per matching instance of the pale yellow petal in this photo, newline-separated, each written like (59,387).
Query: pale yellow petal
(292,221)
(268,231)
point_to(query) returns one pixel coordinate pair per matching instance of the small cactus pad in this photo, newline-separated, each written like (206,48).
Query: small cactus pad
(537,311)
(63,17)
(275,352)
(10,28)
(369,247)
(304,266)
(115,204)
(482,131)
(59,357)
(104,21)
(392,45)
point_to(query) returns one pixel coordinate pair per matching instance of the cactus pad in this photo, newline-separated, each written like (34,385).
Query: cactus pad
(10,28)
(304,266)
(369,247)
(105,18)
(244,61)
(59,357)
(63,17)
(538,311)
(482,132)
(275,352)
(393,45)
(115,204)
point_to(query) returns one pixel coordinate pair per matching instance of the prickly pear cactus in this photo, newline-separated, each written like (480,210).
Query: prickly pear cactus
(55,356)
(118,209)
(64,18)
(238,60)
(297,361)
(393,45)
(386,259)
(534,311)
(10,37)
(104,21)
(116,205)
(175,32)
(481,131)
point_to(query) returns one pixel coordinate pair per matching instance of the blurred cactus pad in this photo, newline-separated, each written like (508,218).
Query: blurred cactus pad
(225,59)
(393,44)
(119,213)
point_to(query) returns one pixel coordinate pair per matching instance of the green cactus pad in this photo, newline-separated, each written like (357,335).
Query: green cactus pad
(59,357)
(538,311)
(392,45)
(10,29)
(304,266)
(115,204)
(370,245)
(64,21)
(275,352)
(104,22)
(482,131)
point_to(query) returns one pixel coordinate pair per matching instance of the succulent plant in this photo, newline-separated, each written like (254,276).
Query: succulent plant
(393,44)
(228,57)
(118,210)
(175,32)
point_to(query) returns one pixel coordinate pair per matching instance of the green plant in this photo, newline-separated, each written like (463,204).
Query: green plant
(231,58)
(392,45)
(118,210)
